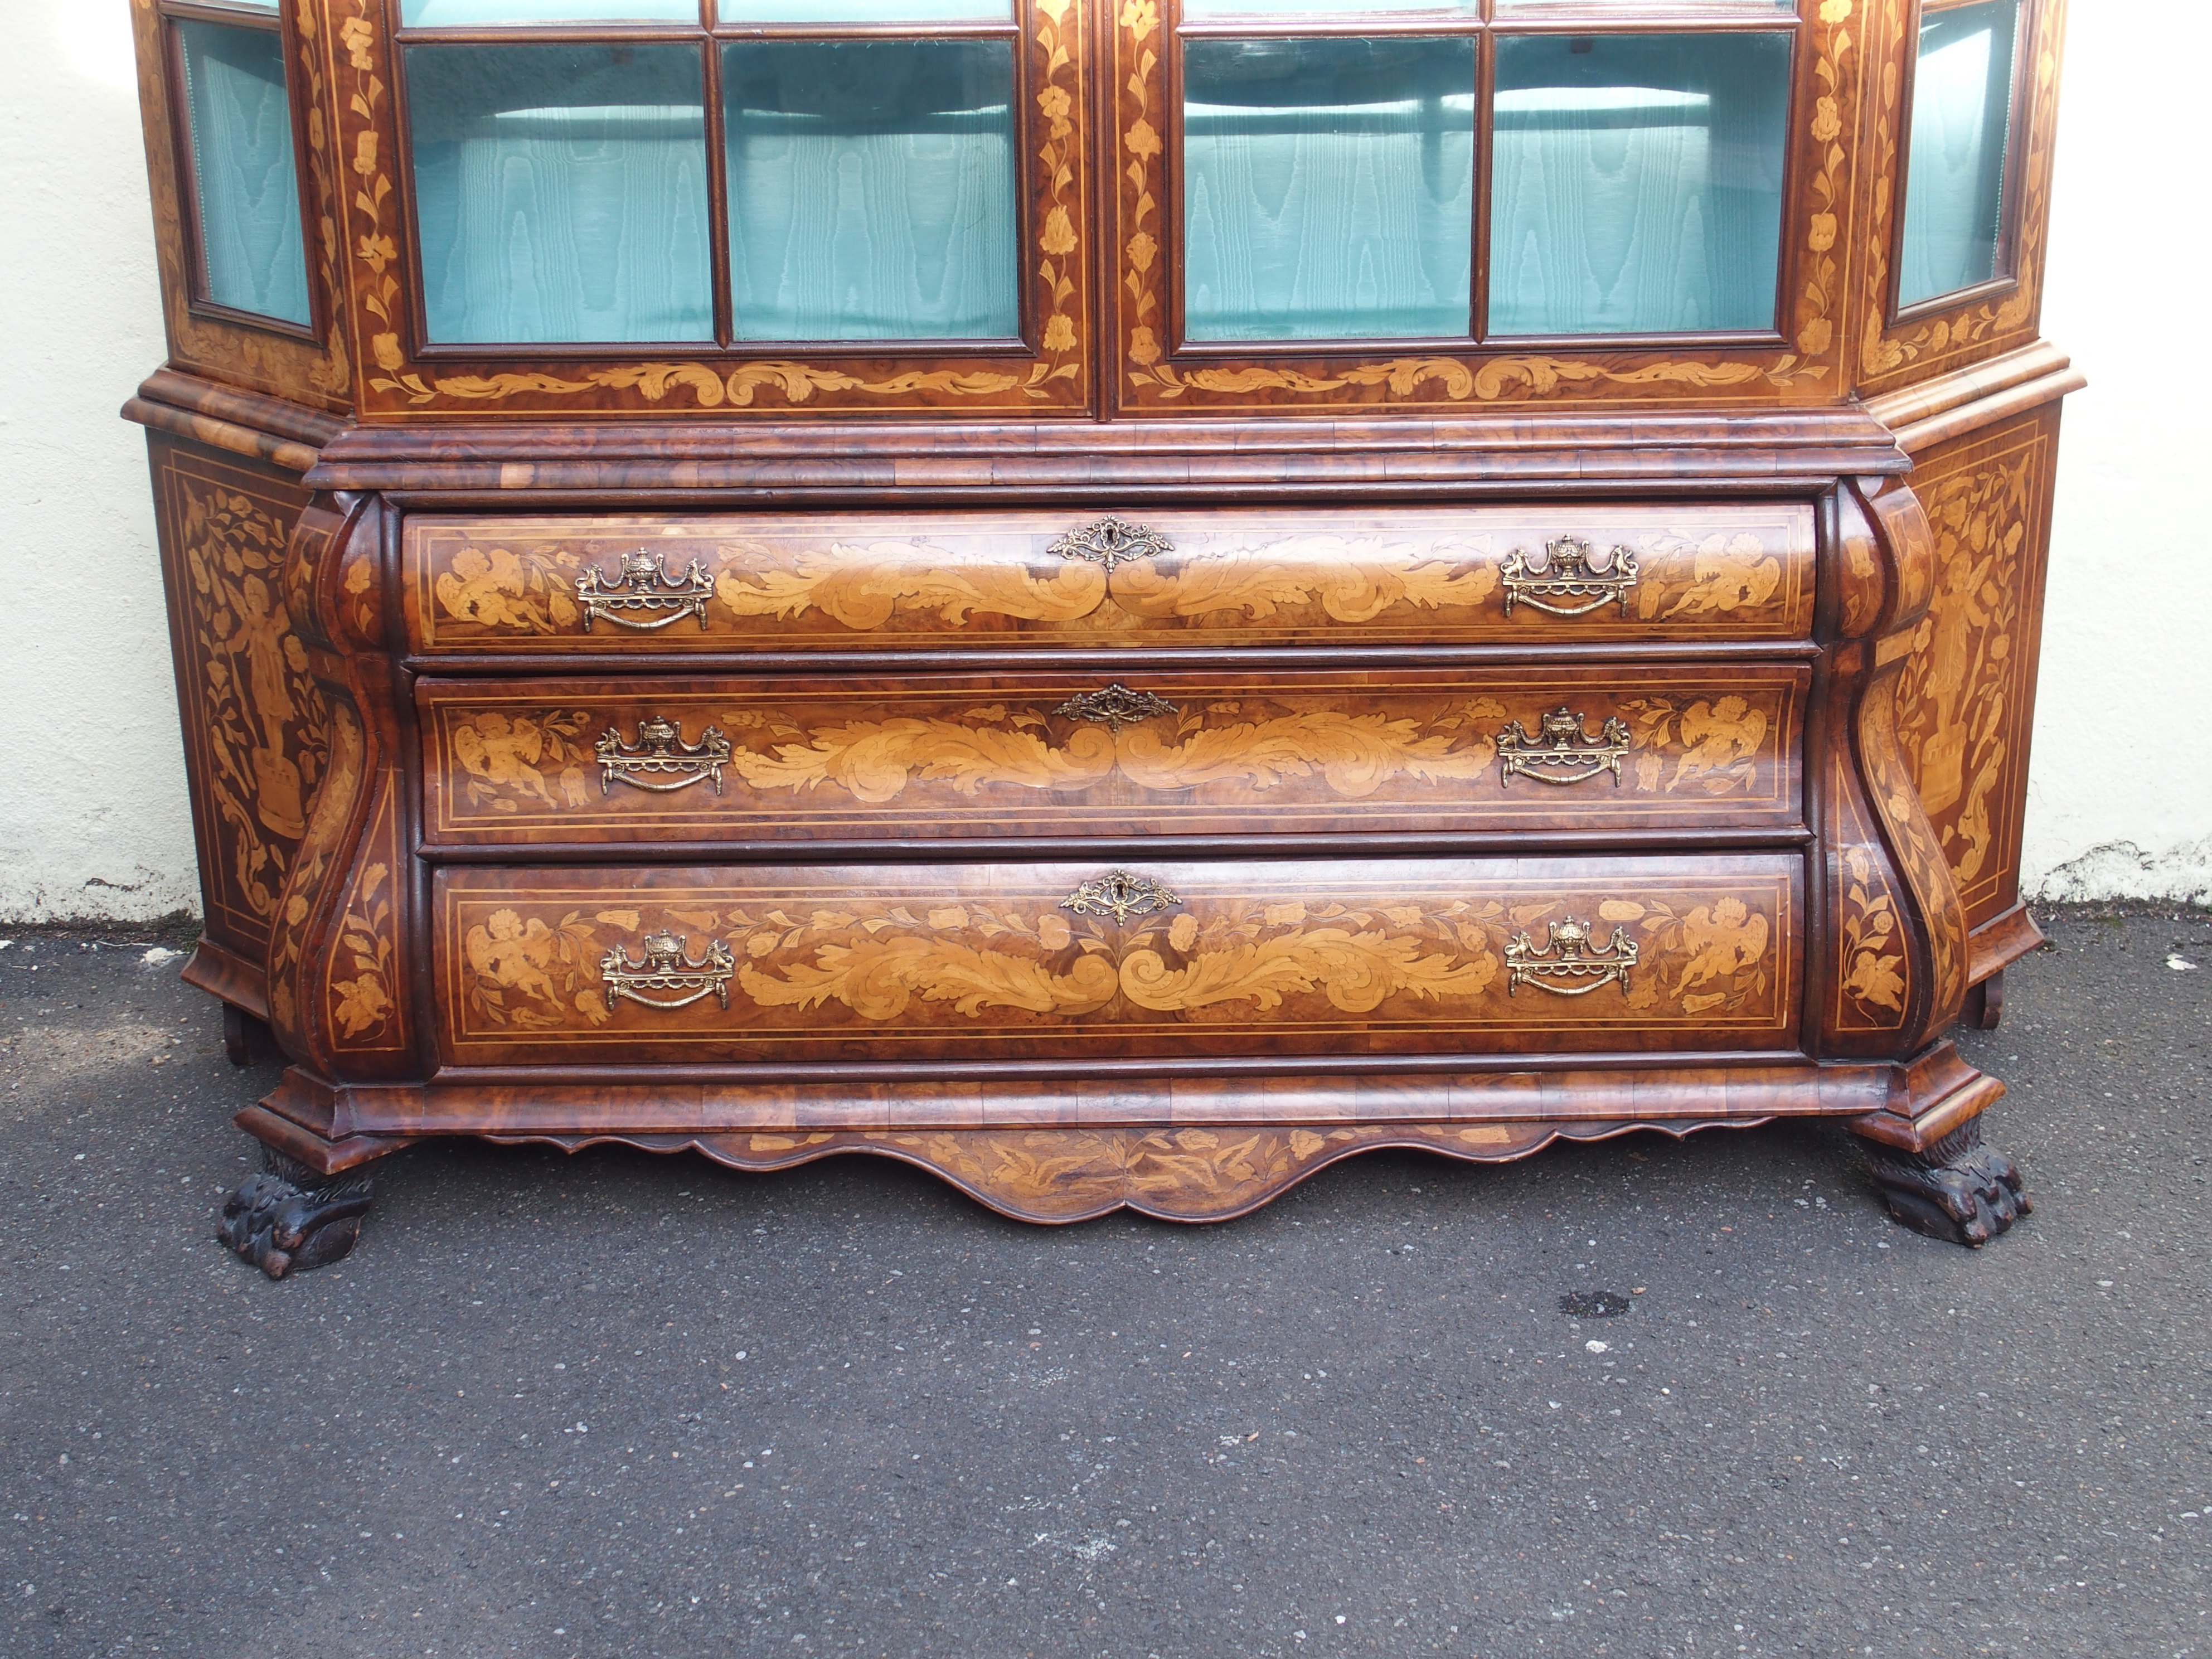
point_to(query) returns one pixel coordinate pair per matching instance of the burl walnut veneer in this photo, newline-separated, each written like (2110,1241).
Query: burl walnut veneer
(1103,766)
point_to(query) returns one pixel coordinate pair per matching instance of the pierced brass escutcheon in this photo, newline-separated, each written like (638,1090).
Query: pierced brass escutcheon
(1110,541)
(1120,895)
(1564,964)
(1115,707)
(1560,752)
(660,750)
(1568,569)
(642,586)
(667,965)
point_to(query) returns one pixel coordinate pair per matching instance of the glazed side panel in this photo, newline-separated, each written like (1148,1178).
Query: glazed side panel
(1659,746)
(993,961)
(883,580)
(1965,697)
(256,723)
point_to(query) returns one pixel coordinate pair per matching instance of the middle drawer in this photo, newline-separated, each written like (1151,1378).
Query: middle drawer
(1616,747)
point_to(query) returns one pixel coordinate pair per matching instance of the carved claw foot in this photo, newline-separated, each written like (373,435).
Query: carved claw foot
(1957,1189)
(287,1220)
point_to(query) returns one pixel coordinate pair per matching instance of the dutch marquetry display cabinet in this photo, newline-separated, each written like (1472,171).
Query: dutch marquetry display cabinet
(1117,600)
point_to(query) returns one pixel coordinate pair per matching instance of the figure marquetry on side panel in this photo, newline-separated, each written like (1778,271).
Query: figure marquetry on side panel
(539,762)
(256,723)
(1804,361)
(1966,696)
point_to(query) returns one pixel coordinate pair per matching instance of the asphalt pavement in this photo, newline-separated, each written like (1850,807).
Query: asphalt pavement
(616,1404)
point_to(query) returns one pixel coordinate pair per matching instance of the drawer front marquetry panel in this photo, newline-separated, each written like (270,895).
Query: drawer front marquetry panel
(611,966)
(1658,746)
(878,580)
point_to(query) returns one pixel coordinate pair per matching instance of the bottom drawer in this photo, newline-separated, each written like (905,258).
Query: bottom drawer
(614,965)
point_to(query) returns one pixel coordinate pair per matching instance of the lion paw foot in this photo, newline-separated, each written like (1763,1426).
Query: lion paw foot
(1957,1189)
(283,1228)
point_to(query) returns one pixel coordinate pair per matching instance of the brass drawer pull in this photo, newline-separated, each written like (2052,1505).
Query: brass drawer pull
(1120,895)
(1115,707)
(1110,541)
(1568,568)
(660,750)
(668,965)
(1564,964)
(1561,752)
(644,586)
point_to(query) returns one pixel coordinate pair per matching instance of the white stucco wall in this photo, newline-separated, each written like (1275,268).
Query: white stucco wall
(92,818)
(93,813)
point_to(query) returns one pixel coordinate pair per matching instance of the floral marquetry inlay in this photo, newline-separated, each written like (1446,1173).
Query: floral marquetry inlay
(260,733)
(1917,346)
(1217,951)
(1421,575)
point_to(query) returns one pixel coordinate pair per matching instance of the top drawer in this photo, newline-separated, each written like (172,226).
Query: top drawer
(702,583)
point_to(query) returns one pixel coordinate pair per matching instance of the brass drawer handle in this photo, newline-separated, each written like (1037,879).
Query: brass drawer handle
(1120,895)
(668,965)
(1561,751)
(660,750)
(1115,707)
(1568,569)
(1110,541)
(644,586)
(1564,964)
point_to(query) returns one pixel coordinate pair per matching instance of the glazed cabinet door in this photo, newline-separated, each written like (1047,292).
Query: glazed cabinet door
(663,206)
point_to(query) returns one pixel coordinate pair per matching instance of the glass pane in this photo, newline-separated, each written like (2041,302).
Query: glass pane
(868,11)
(1633,10)
(1195,9)
(452,14)
(1962,125)
(247,193)
(1328,188)
(872,189)
(560,192)
(1636,183)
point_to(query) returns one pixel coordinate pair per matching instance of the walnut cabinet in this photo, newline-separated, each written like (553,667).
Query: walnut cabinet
(1119,601)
